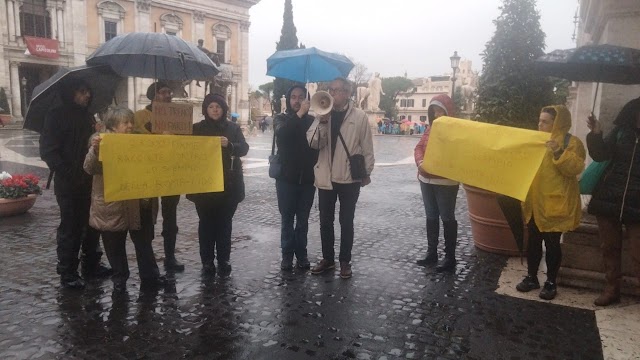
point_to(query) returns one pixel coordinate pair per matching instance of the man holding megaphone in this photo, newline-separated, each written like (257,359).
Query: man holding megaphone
(345,163)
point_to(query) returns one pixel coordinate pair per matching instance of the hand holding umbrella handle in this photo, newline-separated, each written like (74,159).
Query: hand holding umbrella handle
(593,124)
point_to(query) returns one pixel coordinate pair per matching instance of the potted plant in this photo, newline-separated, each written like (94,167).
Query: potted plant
(512,95)
(18,193)
(5,116)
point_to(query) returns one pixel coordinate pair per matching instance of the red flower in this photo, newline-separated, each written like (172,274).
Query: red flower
(19,186)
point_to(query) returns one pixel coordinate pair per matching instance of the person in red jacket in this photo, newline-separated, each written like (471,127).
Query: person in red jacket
(438,195)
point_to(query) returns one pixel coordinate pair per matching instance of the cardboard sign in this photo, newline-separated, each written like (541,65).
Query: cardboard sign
(144,166)
(497,158)
(172,118)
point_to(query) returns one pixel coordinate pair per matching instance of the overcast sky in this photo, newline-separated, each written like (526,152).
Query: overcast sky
(391,37)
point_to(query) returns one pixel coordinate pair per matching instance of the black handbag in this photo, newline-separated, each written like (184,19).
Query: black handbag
(356,162)
(275,166)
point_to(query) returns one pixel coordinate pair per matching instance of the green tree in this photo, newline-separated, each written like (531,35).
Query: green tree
(288,41)
(509,93)
(392,86)
(4,103)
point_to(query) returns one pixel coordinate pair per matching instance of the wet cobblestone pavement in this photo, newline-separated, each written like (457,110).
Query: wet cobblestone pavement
(390,309)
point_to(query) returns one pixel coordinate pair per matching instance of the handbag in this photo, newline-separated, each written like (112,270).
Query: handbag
(356,162)
(592,174)
(275,166)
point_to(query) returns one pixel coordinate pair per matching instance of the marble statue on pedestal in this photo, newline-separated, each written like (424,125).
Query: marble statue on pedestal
(283,104)
(361,95)
(375,90)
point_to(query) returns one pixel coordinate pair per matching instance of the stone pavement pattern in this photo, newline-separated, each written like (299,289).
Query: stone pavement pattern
(390,309)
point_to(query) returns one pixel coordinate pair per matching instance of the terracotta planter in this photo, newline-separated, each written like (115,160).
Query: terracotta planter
(489,227)
(10,207)
(4,119)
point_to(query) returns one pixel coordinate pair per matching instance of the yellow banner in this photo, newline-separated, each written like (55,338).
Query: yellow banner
(143,166)
(498,158)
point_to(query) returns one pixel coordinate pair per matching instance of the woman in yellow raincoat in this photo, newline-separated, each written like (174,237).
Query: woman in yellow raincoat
(553,202)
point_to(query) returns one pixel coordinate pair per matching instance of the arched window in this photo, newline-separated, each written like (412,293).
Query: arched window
(35,19)
(110,20)
(171,24)
(222,39)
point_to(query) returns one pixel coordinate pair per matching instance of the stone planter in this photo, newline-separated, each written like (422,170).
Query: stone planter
(11,207)
(5,119)
(489,227)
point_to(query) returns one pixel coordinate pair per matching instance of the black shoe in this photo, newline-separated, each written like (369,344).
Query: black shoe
(549,291)
(119,286)
(224,268)
(303,263)
(171,264)
(97,272)
(430,259)
(209,269)
(153,283)
(287,262)
(72,281)
(448,264)
(528,283)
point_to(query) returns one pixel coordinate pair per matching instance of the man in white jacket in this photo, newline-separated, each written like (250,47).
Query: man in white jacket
(333,174)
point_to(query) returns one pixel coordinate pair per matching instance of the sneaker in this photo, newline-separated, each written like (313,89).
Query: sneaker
(448,264)
(287,262)
(345,270)
(323,266)
(303,264)
(549,291)
(224,268)
(528,283)
(430,259)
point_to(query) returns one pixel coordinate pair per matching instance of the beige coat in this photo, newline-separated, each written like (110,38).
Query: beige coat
(357,135)
(113,216)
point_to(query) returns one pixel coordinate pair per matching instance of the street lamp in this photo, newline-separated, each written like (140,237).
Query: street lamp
(455,61)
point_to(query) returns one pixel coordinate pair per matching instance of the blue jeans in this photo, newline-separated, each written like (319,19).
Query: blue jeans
(439,201)
(294,203)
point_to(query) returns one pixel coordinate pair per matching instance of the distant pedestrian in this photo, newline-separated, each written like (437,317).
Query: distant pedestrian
(553,202)
(344,130)
(616,199)
(295,188)
(116,219)
(216,209)
(438,195)
(64,143)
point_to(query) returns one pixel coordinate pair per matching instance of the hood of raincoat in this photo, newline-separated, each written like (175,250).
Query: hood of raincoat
(442,101)
(561,124)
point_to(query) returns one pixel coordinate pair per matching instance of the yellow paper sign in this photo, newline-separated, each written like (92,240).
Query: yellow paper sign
(143,166)
(498,158)
(172,117)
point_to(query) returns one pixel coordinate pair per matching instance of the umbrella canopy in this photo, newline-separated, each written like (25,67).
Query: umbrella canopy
(308,65)
(154,55)
(46,96)
(597,63)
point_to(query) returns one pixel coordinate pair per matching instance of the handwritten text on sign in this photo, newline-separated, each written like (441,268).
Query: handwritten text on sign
(497,158)
(171,117)
(143,166)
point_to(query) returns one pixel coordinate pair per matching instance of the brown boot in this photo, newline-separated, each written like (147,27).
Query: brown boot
(610,295)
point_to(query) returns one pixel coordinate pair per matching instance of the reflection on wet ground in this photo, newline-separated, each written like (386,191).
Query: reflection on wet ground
(390,309)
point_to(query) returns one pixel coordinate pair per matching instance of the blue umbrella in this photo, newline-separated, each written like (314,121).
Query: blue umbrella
(308,65)
(233,114)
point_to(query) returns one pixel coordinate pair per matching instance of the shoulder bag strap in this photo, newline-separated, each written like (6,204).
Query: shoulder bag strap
(273,143)
(344,144)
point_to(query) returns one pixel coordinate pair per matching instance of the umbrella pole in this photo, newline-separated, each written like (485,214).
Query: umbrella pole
(593,106)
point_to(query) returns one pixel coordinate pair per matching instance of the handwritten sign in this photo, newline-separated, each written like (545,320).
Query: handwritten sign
(498,158)
(171,117)
(143,166)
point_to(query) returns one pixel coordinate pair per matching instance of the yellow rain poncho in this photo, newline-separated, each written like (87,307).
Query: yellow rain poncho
(554,197)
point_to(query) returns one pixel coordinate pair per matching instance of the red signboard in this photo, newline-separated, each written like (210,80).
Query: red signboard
(42,47)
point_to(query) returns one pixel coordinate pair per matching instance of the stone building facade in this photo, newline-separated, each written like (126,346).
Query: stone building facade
(65,32)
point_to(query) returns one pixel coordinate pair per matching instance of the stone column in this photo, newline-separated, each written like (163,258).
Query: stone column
(143,22)
(53,15)
(233,106)
(243,83)
(11,31)
(16,99)
(60,15)
(78,13)
(198,29)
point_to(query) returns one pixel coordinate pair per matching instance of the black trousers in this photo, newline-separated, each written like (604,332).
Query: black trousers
(553,255)
(115,247)
(75,233)
(214,229)
(169,206)
(348,195)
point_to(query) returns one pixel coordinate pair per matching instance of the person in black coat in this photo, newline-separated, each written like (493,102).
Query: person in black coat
(64,143)
(216,210)
(616,198)
(294,187)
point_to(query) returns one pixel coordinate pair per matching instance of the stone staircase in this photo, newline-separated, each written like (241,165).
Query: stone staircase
(582,260)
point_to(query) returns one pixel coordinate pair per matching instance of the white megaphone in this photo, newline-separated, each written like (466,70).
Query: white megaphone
(321,103)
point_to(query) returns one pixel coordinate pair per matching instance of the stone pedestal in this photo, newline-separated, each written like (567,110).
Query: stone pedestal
(374,116)
(582,260)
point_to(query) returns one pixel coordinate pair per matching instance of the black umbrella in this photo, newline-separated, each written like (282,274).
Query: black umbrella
(46,96)
(512,210)
(155,56)
(595,63)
